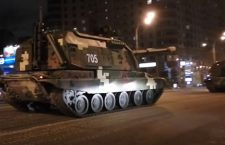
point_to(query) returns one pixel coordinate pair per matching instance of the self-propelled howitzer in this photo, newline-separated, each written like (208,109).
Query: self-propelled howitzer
(78,74)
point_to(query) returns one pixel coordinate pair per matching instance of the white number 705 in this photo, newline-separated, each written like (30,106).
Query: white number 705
(92,58)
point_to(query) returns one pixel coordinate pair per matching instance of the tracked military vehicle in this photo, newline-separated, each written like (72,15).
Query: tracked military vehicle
(77,74)
(215,81)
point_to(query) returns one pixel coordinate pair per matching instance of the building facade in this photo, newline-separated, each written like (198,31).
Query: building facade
(186,24)
(97,16)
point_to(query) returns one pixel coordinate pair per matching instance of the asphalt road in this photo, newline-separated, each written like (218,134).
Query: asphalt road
(180,117)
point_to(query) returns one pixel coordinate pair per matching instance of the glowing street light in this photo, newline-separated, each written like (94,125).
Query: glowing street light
(223,36)
(204,44)
(149,18)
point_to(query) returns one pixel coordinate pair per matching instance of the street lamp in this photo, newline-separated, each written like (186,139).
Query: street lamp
(147,21)
(223,36)
(204,44)
(214,47)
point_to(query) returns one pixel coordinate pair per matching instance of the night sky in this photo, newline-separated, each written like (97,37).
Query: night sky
(18,16)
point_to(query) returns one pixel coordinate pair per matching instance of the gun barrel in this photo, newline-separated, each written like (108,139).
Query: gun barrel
(154,50)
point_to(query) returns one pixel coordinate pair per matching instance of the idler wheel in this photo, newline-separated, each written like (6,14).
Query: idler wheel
(68,103)
(63,101)
(97,103)
(137,98)
(123,100)
(110,101)
(148,96)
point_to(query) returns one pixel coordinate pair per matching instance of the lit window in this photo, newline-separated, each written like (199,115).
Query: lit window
(83,21)
(188,27)
(84,29)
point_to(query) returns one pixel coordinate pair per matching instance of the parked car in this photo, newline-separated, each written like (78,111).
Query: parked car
(215,81)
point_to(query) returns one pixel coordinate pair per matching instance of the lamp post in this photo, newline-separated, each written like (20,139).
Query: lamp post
(214,46)
(214,51)
(147,21)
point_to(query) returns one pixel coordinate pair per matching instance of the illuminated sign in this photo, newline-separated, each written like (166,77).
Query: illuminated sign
(7,61)
(10,51)
(2,60)
(182,63)
(188,79)
(148,64)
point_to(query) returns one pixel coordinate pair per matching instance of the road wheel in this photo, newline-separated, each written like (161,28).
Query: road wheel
(97,103)
(137,98)
(70,104)
(109,101)
(81,105)
(123,100)
(148,96)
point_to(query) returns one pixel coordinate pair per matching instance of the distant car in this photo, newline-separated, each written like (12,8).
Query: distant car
(215,81)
